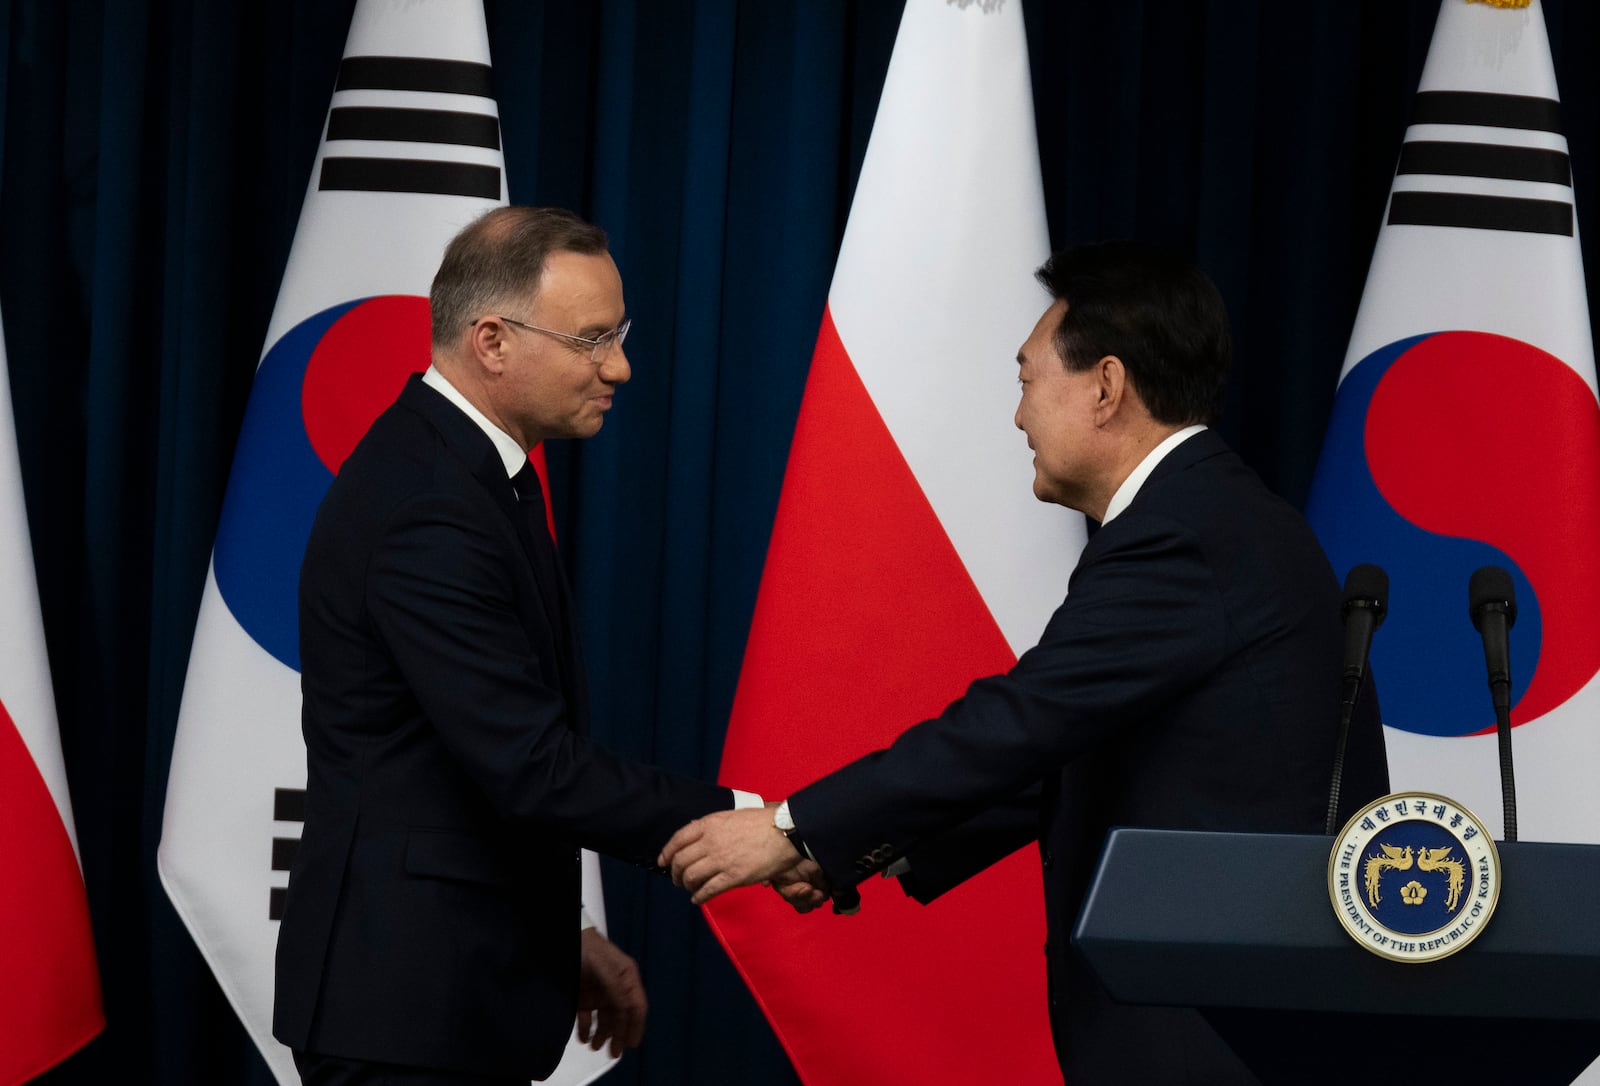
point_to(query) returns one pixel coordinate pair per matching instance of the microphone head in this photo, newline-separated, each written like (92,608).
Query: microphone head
(1488,587)
(1367,586)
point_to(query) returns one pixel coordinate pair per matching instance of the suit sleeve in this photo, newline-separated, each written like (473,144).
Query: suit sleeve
(440,594)
(946,861)
(1143,621)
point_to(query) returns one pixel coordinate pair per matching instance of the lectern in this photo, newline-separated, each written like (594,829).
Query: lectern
(1242,927)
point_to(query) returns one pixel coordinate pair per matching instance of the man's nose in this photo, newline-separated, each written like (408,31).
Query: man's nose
(614,367)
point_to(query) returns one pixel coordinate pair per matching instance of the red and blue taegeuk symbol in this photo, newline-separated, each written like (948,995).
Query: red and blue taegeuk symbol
(1447,452)
(315,394)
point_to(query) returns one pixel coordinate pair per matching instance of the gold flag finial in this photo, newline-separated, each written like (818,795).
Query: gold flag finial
(1503,3)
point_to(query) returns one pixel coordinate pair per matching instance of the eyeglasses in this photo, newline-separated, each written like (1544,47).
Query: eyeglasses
(599,347)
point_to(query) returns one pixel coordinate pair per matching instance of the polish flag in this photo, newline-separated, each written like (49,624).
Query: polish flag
(49,987)
(410,154)
(909,557)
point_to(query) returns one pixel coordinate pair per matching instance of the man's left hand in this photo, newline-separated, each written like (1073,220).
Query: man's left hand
(725,850)
(611,1001)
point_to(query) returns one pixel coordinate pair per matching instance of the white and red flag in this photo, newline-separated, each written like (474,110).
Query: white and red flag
(909,557)
(411,153)
(49,986)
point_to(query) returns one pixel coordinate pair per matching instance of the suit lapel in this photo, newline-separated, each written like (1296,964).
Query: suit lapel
(472,447)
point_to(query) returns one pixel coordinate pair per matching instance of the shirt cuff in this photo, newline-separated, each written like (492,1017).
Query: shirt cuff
(746,800)
(585,921)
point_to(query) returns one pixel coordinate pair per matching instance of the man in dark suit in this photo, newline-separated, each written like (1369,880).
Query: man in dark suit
(1190,679)
(431,932)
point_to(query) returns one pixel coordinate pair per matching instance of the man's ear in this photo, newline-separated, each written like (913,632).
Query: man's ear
(489,343)
(1111,381)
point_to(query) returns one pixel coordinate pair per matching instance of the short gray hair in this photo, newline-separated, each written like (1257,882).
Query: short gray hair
(497,259)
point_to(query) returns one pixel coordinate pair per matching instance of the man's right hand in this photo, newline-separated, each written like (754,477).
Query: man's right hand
(803,886)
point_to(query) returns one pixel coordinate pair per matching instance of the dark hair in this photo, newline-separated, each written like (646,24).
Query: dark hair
(1156,312)
(496,261)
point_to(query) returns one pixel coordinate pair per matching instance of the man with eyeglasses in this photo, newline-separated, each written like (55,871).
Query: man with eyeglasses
(431,932)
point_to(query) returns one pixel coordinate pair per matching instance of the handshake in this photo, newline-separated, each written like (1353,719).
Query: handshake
(729,849)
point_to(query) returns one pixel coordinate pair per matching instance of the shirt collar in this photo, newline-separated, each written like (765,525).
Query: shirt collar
(1136,478)
(512,455)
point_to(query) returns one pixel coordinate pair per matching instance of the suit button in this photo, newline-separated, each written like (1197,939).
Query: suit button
(1049,861)
(875,859)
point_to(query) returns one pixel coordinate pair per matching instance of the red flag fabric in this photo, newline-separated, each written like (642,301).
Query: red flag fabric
(49,985)
(909,557)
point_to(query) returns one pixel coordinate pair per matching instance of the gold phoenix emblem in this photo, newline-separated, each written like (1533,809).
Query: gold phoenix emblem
(1461,880)
(1438,859)
(1398,859)
(1391,858)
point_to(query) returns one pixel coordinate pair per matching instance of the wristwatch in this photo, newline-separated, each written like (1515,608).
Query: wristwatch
(784,823)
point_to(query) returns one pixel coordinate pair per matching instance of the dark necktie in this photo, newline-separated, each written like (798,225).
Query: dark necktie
(546,563)
(552,584)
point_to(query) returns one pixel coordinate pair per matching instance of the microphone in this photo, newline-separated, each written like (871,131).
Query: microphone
(1366,602)
(1492,604)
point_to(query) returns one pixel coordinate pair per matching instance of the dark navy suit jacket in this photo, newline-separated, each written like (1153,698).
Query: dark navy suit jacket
(1191,679)
(432,910)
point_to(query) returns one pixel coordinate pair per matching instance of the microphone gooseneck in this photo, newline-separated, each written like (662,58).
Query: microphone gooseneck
(1492,605)
(1366,602)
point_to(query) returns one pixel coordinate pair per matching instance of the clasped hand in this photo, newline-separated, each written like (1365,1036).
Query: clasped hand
(729,849)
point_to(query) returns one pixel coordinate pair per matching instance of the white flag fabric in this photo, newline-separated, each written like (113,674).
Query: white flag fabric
(49,985)
(905,454)
(411,153)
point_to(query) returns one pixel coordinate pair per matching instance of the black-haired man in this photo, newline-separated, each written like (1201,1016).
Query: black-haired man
(1190,678)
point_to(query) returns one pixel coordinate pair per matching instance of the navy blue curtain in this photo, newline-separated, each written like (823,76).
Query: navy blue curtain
(153,157)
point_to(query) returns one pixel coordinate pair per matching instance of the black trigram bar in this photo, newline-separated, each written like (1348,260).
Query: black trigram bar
(283,850)
(1480,212)
(289,804)
(415,74)
(414,126)
(1486,160)
(1493,110)
(411,175)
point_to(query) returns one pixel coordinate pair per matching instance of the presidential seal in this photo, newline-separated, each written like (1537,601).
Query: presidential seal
(1414,877)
